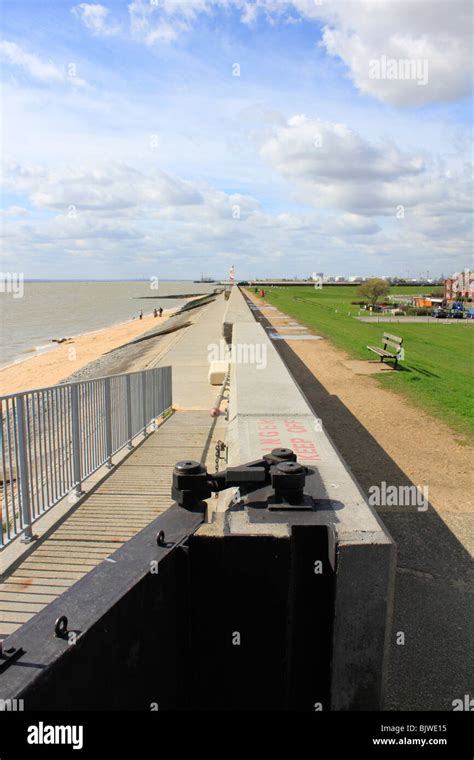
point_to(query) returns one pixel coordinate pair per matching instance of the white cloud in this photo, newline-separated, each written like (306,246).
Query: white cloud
(353,224)
(312,148)
(328,207)
(331,166)
(110,187)
(42,71)
(437,32)
(13,54)
(13,211)
(164,20)
(123,217)
(95,18)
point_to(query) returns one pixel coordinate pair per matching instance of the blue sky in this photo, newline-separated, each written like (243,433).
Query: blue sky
(130,145)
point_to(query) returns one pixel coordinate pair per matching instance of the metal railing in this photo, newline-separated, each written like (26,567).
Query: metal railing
(53,438)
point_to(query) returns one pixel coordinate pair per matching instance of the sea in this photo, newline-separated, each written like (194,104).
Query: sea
(58,309)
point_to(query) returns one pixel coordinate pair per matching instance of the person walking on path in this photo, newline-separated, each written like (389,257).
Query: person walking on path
(140,316)
(155,313)
(161,311)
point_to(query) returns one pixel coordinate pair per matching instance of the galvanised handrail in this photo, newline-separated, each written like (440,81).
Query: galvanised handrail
(52,438)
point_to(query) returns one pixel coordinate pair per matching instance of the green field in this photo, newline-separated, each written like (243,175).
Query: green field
(438,369)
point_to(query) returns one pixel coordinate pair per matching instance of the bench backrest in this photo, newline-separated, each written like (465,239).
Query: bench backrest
(392,340)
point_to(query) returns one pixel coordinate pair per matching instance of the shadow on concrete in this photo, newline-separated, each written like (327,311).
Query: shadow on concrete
(433,594)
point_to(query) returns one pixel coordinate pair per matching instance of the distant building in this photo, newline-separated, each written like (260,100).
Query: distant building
(427,301)
(460,285)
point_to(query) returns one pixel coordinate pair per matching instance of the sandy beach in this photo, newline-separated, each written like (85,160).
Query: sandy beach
(56,365)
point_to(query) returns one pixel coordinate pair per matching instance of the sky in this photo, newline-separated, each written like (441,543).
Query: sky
(174,138)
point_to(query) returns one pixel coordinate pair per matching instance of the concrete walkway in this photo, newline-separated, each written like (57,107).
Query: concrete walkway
(133,494)
(189,357)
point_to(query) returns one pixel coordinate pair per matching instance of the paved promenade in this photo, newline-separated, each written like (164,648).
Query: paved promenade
(133,493)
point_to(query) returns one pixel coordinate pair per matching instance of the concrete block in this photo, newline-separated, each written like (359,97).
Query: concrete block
(217,372)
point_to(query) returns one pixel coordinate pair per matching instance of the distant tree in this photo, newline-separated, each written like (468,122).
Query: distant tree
(374,289)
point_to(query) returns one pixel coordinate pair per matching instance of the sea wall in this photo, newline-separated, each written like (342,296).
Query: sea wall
(236,311)
(268,410)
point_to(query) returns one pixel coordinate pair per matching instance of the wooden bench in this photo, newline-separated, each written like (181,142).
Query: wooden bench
(394,342)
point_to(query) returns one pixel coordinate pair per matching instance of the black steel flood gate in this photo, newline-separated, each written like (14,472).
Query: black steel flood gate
(232,615)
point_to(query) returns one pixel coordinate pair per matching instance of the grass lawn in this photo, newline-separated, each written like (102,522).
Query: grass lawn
(438,369)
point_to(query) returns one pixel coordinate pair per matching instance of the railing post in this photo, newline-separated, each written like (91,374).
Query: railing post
(129,412)
(144,402)
(164,389)
(24,479)
(155,395)
(170,387)
(108,422)
(76,440)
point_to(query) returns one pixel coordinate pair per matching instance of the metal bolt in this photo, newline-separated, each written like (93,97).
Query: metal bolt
(160,539)
(187,467)
(290,468)
(60,626)
(282,453)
